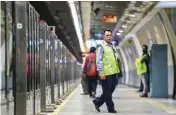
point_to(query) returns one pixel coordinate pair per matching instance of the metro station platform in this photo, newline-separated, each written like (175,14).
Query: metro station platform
(126,100)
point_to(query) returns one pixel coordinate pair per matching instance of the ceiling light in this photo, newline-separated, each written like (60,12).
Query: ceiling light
(132,15)
(108,6)
(118,34)
(128,21)
(76,23)
(121,31)
(124,26)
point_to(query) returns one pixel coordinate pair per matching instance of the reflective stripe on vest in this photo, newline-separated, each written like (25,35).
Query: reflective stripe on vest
(110,64)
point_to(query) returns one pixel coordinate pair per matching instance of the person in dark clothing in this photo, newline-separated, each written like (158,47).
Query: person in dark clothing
(84,82)
(92,80)
(145,76)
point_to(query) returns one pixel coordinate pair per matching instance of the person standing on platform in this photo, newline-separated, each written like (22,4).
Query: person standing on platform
(142,64)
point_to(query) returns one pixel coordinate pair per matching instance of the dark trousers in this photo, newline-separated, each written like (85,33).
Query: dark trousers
(147,82)
(92,83)
(141,85)
(108,87)
(84,83)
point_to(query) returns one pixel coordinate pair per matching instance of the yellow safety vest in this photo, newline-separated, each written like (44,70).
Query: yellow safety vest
(110,63)
(141,67)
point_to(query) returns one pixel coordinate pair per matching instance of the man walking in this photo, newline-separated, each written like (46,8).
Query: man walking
(108,69)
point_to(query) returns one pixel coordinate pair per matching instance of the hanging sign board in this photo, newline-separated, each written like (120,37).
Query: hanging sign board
(110,18)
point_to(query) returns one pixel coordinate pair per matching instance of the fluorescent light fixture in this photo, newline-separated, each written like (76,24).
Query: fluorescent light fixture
(118,34)
(124,26)
(121,31)
(76,23)
(128,21)
(132,15)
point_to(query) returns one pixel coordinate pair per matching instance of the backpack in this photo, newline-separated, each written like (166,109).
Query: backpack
(91,66)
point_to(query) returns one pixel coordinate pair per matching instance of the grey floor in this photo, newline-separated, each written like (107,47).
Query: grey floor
(127,102)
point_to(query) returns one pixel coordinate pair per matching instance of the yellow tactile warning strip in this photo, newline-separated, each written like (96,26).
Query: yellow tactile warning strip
(157,104)
(152,102)
(162,106)
(60,107)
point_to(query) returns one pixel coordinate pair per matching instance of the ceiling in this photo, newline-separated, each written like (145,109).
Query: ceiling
(58,14)
(132,15)
(106,8)
(128,14)
(95,21)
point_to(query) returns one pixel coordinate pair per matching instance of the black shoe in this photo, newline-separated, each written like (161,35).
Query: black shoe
(96,106)
(93,95)
(140,90)
(112,111)
(144,95)
(84,93)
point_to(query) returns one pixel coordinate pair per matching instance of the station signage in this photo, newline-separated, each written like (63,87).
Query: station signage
(110,18)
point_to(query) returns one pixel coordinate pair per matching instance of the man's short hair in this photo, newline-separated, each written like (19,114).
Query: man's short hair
(107,30)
